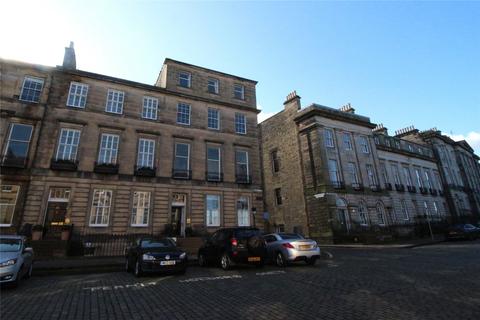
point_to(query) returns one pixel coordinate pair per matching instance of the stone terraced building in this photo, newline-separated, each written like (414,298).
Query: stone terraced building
(331,171)
(110,155)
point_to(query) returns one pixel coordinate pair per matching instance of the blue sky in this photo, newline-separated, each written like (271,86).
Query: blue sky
(400,63)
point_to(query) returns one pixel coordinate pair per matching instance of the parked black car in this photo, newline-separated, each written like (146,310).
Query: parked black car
(150,255)
(463,231)
(230,246)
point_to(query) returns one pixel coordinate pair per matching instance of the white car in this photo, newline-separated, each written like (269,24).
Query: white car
(283,248)
(16,259)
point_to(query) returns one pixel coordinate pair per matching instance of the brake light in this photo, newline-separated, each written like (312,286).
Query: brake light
(288,245)
(234,242)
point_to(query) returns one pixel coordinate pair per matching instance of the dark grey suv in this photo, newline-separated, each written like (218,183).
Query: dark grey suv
(231,246)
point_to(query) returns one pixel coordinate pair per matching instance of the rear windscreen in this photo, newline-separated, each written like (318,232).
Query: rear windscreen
(247,233)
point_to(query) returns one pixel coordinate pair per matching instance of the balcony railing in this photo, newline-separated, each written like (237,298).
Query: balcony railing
(388,186)
(399,187)
(214,176)
(375,188)
(243,179)
(433,192)
(64,164)
(357,186)
(142,171)
(412,189)
(181,174)
(106,168)
(423,190)
(14,162)
(338,185)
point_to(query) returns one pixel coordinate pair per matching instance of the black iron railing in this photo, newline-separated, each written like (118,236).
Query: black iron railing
(142,171)
(14,162)
(399,187)
(181,174)
(107,168)
(63,164)
(214,176)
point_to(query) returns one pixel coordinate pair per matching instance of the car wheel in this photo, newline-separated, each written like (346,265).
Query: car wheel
(29,272)
(202,262)
(260,265)
(311,261)
(138,269)
(280,260)
(225,262)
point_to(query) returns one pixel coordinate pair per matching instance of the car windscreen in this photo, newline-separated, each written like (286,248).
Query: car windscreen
(247,233)
(288,236)
(153,243)
(10,245)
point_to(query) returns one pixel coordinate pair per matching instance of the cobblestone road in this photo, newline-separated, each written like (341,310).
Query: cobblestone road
(434,282)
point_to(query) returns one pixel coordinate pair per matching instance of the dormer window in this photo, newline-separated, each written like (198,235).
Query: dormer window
(184,79)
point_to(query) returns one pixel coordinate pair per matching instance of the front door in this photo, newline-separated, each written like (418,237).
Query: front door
(343,219)
(56,213)
(176,220)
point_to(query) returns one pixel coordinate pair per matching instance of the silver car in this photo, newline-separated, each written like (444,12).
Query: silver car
(283,248)
(16,260)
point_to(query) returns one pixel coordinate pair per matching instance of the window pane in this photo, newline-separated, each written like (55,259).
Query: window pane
(21,132)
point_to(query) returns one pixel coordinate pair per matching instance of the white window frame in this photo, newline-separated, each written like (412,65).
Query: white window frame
(181,77)
(39,91)
(333,172)
(115,101)
(435,208)
(396,174)
(143,203)
(347,141)
(419,178)
(105,206)
(214,83)
(212,220)
(209,117)
(9,140)
(242,163)
(352,168)
(79,92)
(113,153)
(329,139)
(406,173)
(214,160)
(364,144)
(188,155)
(243,215)
(364,217)
(10,205)
(181,113)
(404,207)
(72,148)
(380,213)
(150,108)
(240,124)
(239,91)
(372,178)
(146,149)
(427,179)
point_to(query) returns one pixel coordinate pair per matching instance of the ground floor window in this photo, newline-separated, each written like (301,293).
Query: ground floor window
(243,213)
(362,214)
(140,209)
(100,212)
(213,211)
(8,200)
(380,214)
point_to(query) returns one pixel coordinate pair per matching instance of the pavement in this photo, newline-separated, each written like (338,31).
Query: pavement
(438,281)
(404,244)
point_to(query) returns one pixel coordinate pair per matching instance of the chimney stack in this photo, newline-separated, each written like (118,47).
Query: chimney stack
(381,129)
(347,108)
(69,61)
(292,100)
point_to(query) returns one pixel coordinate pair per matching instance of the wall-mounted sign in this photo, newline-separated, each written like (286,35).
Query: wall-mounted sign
(179,199)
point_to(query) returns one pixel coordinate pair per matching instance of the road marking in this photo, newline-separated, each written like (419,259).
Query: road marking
(136,285)
(233,276)
(270,273)
(330,256)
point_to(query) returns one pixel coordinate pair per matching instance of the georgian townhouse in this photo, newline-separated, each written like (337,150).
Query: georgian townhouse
(110,155)
(331,173)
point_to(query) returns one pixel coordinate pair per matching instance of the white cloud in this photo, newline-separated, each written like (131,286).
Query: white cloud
(473,139)
(264,115)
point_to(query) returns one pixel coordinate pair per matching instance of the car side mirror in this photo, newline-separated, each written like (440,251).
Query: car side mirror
(28,250)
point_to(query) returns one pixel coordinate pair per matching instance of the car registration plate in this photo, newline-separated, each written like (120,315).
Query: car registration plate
(305,247)
(253,259)
(167,263)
